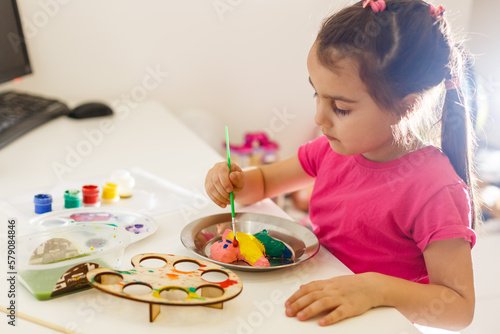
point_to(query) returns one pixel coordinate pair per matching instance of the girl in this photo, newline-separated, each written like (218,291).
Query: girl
(396,210)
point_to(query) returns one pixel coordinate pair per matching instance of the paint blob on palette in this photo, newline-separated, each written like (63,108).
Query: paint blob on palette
(137,225)
(177,280)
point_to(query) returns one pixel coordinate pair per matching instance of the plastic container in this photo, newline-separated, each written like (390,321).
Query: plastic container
(125,182)
(43,203)
(72,199)
(55,262)
(110,193)
(90,195)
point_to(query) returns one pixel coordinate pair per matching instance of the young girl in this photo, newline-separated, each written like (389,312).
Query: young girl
(394,209)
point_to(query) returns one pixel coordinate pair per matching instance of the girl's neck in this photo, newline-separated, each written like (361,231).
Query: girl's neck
(394,151)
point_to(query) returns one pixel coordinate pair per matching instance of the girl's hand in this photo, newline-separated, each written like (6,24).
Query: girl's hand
(342,297)
(219,183)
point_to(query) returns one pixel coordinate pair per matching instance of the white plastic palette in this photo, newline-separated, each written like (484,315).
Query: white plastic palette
(137,225)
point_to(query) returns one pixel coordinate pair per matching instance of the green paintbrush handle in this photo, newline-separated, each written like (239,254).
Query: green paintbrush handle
(229,165)
(232,203)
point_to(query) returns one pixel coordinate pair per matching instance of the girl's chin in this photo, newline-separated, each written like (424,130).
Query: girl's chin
(337,148)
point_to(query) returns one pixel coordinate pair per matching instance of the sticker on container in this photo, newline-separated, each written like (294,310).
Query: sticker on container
(74,279)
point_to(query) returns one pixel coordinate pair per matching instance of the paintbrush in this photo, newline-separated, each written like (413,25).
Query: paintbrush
(38,321)
(231,195)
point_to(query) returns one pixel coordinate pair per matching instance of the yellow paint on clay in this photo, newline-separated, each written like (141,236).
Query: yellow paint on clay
(250,247)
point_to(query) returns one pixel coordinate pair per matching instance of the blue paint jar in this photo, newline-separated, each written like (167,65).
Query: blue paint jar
(43,203)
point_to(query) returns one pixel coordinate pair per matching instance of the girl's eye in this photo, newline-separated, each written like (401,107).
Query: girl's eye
(340,112)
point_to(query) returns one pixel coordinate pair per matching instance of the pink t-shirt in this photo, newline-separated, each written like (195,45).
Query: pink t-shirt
(380,216)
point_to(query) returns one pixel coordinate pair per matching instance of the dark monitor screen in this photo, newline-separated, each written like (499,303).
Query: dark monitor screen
(14,61)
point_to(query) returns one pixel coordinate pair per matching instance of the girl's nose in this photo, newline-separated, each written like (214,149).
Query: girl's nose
(321,117)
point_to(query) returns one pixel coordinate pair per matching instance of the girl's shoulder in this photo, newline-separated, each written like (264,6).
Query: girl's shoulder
(429,160)
(425,159)
(427,169)
(427,172)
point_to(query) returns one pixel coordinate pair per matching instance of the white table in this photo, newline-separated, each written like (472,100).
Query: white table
(151,138)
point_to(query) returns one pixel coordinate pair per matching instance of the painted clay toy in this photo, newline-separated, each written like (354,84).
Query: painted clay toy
(253,249)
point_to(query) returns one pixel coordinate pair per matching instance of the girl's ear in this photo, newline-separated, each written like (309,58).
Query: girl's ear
(409,104)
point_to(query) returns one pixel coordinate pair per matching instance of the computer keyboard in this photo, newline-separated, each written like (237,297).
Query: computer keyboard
(21,112)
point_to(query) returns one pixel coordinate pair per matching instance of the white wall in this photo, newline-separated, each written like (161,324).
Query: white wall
(485,45)
(241,61)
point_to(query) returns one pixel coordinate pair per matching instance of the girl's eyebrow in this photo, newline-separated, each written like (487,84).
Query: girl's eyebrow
(338,98)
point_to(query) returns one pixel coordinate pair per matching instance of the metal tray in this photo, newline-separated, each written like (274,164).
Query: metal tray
(199,235)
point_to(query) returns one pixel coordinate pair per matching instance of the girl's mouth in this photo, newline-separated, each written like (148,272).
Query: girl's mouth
(331,138)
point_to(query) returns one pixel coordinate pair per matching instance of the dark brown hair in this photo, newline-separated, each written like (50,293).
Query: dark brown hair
(404,50)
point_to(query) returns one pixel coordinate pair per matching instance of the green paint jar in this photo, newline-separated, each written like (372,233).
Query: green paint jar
(72,199)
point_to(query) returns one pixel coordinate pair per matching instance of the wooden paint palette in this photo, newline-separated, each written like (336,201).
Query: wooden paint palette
(181,281)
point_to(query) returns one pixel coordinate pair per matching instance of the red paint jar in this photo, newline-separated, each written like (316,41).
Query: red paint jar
(90,195)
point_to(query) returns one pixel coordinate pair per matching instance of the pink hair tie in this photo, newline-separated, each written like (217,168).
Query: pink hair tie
(377,6)
(453,83)
(436,12)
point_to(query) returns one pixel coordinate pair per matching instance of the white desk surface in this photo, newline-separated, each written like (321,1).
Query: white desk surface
(151,138)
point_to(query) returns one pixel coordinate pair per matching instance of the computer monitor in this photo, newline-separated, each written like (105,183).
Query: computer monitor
(14,61)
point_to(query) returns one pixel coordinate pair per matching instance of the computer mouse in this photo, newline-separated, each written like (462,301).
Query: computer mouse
(90,109)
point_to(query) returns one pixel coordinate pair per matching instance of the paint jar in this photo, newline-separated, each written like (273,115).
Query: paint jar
(91,195)
(125,182)
(72,199)
(110,193)
(43,203)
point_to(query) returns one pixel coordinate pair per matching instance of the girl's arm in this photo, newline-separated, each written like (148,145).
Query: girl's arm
(447,302)
(272,180)
(255,184)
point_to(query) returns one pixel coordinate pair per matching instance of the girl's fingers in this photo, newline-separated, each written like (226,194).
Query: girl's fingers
(222,182)
(303,290)
(220,188)
(214,189)
(340,313)
(219,195)
(236,179)
(218,183)
(317,306)
(342,297)
(220,203)
(309,305)
(315,303)
(217,199)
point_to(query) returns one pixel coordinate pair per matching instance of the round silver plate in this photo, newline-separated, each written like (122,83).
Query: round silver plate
(199,235)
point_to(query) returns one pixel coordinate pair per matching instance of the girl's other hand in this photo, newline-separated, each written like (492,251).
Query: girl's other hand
(339,297)
(219,183)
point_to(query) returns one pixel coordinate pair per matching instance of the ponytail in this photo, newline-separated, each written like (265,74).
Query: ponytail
(458,143)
